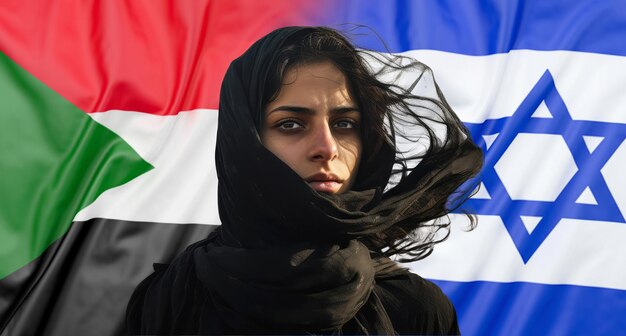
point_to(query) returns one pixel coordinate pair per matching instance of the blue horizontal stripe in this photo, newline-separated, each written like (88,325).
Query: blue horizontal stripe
(482,27)
(488,308)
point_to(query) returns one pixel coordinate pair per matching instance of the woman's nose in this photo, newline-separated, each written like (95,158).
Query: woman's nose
(323,144)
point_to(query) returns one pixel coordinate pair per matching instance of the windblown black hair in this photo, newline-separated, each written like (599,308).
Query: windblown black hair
(407,127)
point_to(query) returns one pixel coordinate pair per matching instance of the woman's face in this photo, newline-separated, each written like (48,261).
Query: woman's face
(313,126)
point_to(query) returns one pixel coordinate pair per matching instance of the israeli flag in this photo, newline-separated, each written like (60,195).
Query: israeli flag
(541,85)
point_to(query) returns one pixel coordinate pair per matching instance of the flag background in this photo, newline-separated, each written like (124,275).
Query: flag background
(539,83)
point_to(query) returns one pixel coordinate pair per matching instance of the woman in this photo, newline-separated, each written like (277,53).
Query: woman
(327,166)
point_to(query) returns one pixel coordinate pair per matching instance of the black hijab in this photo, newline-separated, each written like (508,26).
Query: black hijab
(286,258)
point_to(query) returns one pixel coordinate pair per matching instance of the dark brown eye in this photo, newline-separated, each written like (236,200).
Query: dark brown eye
(345,123)
(289,125)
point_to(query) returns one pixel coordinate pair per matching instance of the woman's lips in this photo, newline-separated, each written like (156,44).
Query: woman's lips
(325,186)
(324,182)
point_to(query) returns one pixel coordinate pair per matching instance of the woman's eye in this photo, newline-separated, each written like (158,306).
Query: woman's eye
(345,124)
(289,125)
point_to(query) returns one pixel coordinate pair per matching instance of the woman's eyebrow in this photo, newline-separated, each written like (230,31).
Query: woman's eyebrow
(306,110)
(296,109)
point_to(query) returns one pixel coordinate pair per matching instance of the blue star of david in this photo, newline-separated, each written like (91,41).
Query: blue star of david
(588,162)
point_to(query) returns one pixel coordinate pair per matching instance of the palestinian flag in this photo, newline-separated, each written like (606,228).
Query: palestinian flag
(108,115)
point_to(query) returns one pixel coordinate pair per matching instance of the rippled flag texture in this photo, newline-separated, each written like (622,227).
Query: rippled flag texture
(108,113)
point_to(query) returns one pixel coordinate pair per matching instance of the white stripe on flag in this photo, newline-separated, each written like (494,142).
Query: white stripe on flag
(490,87)
(182,187)
(585,253)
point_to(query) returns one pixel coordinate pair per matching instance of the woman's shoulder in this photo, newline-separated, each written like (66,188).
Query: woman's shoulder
(417,306)
(170,300)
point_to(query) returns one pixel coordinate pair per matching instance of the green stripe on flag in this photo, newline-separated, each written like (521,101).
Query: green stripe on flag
(55,161)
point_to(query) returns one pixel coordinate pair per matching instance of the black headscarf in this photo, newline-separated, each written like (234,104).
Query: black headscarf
(290,258)
(286,258)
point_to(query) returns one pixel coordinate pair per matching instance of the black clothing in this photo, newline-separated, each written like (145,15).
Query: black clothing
(288,259)
(161,306)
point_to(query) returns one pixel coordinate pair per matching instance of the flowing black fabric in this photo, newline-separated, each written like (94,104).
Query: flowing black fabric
(288,259)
